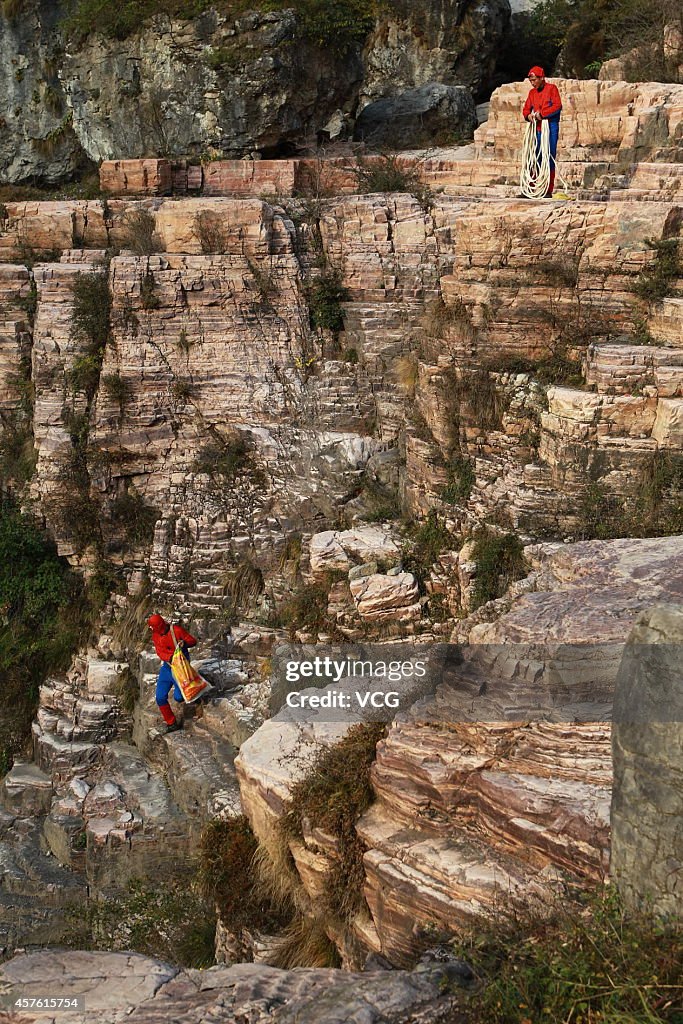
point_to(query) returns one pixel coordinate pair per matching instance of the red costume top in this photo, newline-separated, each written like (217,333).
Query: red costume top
(163,640)
(546,101)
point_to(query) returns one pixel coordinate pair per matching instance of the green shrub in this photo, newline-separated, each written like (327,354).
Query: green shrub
(264,281)
(461,478)
(139,229)
(148,296)
(117,389)
(18,455)
(587,961)
(229,878)
(602,516)
(40,608)
(325,296)
(306,608)
(172,921)
(224,458)
(386,174)
(90,327)
(657,281)
(332,795)
(500,561)
(426,543)
(130,513)
(656,510)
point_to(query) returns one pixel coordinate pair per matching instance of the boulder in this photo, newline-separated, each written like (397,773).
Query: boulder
(385,598)
(647,749)
(128,986)
(340,549)
(433,113)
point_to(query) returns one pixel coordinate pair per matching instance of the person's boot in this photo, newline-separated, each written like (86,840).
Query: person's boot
(176,727)
(551,185)
(167,715)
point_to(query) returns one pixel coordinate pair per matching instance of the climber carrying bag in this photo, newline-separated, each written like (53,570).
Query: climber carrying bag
(189,681)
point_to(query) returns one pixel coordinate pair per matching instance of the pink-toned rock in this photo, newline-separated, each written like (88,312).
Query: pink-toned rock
(381,598)
(151,177)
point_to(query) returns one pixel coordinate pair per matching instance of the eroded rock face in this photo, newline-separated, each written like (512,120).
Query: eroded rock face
(125,986)
(470,808)
(215,84)
(413,45)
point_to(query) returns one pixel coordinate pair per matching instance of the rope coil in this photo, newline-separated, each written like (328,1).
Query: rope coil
(534,180)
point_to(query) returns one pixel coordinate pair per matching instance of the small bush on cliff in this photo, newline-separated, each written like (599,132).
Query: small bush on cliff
(425,544)
(386,174)
(39,604)
(500,561)
(325,297)
(90,327)
(461,477)
(587,961)
(225,458)
(140,234)
(332,795)
(130,513)
(173,922)
(657,281)
(211,232)
(229,877)
(117,389)
(148,292)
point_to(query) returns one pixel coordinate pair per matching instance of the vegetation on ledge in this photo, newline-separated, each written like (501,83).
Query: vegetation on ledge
(337,24)
(332,795)
(41,603)
(588,963)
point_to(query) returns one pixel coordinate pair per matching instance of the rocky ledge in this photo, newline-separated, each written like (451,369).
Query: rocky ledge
(126,987)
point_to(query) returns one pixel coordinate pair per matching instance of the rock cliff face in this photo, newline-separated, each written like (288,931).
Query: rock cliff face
(275,384)
(215,84)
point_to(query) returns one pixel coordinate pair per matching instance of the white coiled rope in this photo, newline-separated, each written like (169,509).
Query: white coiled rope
(534,180)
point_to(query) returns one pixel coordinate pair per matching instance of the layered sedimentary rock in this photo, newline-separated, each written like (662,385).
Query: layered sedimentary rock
(472,806)
(491,361)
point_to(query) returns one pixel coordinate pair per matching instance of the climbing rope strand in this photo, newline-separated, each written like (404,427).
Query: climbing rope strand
(534,180)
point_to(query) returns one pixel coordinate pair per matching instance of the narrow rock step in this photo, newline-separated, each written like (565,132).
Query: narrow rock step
(26,791)
(144,791)
(62,758)
(199,768)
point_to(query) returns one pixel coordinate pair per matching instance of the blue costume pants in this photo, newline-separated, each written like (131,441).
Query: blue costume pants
(554,134)
(165,681)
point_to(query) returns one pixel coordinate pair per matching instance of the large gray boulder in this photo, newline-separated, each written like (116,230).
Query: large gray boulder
(433,114)
(647,747)
(127,987)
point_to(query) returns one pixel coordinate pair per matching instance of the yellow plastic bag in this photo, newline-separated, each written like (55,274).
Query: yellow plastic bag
(189,681)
